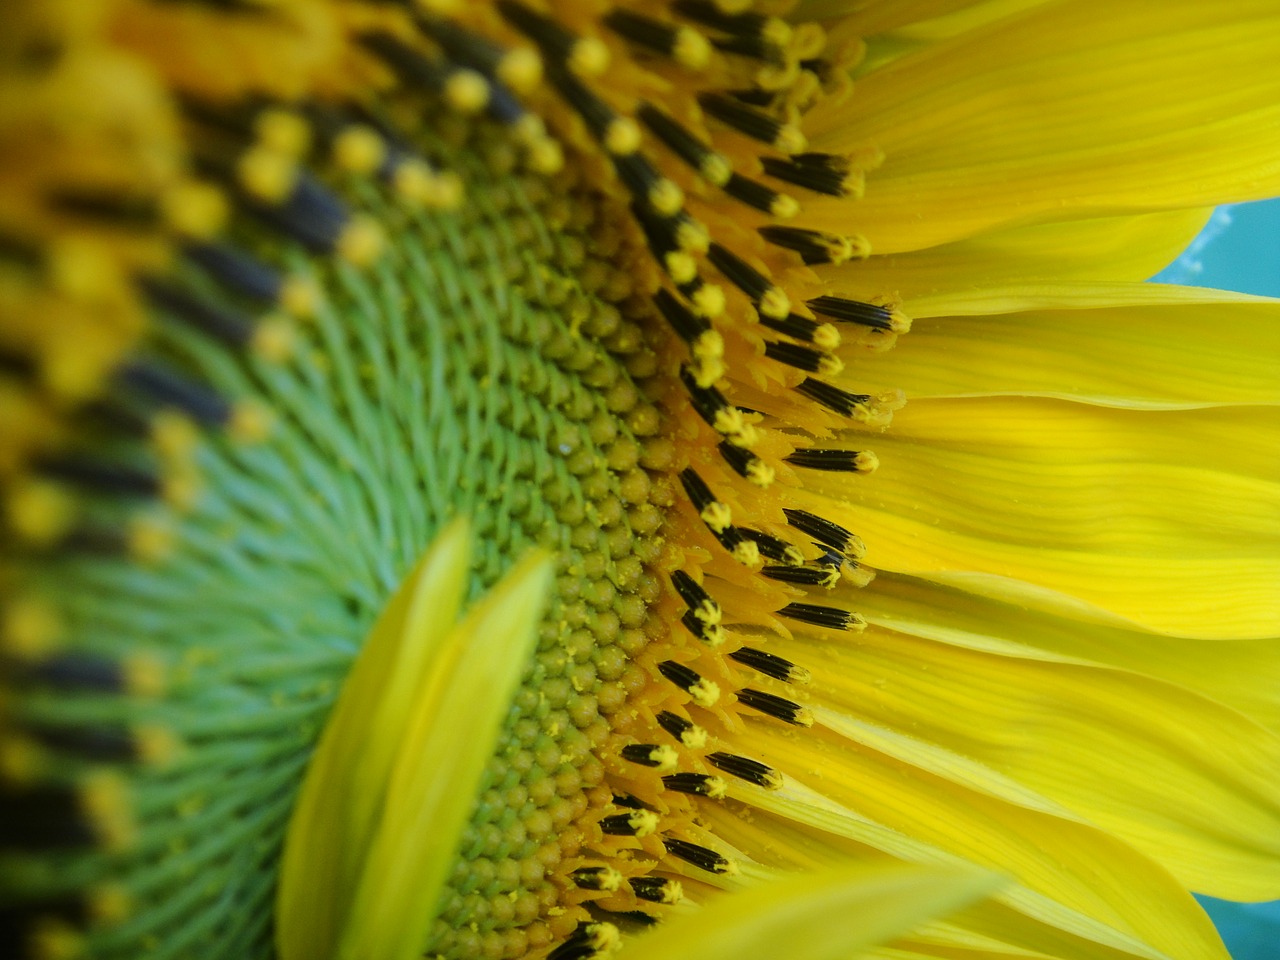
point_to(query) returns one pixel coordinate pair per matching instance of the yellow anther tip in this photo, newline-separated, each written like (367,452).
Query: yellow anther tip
(705,693)
(827,337)
(361,241)
(149,539)
(589,57)
(31,628)
(40,512)
(680,266)
(359,149)
(715,169)
(747,553)
(784,207)
(266,174)
(709,301)
(194,209)
(717,516)
(274,339)
(830,366)
(761,474)
(174,435)
(467,92)
(299,296)
(622,137)
(250,422)
(546,156)
(692,235)
(790,140)
(521,69)
(144,676)
(283,131)
(775,303)
(666,198)
(691,49)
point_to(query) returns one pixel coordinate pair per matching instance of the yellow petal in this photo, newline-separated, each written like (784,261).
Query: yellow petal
(1059,113)
(338,806)
(1193,784)
(1169,519)
(1105,248)
(1131,905)
(825,915)
(1138,353)
(1244,674)
(389,789)
(448,738)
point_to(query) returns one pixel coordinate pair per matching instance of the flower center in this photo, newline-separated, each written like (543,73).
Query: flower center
(578,344)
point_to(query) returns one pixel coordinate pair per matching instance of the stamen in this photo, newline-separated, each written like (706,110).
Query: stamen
(744,768)
(107,478)
(839,461)
(637,823)
(618,135)
(831,534)
(825,577)
(699,784)
(686,731)
(803,358)
(704,614)
(718,519)
(753,123)
(757,195)
(584,56)
(711,166)
(871,315)
(702,857)
(237,271)
(833,398)
(649,188)
(756,48)
(166,388)
(774,706)
(704,692)
(707,298)
(590,940)
(770,300)
(219,322)
(606,879)
(833,618)
(631,802)
(705,344)
(463,89)
(661,756)
(687,47)
(814,246)
(820,172)
(519,68)
(824,335)
(772,547)
(746,464)
(771,665)
(657,889)
(739,23)
(724,418)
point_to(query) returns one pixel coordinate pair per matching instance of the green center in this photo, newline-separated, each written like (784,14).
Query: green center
(468,372)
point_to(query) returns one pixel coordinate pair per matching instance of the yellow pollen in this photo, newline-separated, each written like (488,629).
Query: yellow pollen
(174,435)
(194,209)
(467,92)
(673,892)
(283,131)
(250,422)
(53,939)
(298,296)
(274,339)
(708,345)
(664,758)
(858,576)
(692,235)
(521,69)
(807,40)
(110,903)
(666,198)
(866,461)
(707,370)
(622,137)
(695,738)
(144,676)
(899,322)
(31,628)
(359,149)
(775,303)
(157,746)
(40,512)
(830,366)
(717,516)
(589,57)
(361,241)
(681,266)
(747,553)
(104,799)
(643,822)
(149,539)
(546,156)
(266,174)
(709,612)
(709,301)
(181,489)
(790,140)
(760,473)
(784,207)
(705,693)
(691,49)
(827,337)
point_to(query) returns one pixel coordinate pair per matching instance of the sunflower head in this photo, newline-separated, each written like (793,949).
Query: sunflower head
(436,443)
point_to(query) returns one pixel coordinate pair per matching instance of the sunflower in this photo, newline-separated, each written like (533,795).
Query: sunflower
(487,480)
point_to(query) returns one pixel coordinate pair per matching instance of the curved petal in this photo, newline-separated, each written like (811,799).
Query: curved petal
(1061,113)
(1191,783)
(825,915)
(1136,354)
(1170,519)
(1106,248)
